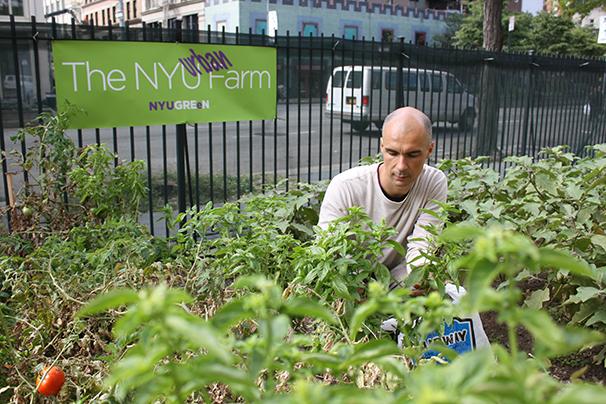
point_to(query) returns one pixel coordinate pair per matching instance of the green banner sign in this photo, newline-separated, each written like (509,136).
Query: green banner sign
(116,84)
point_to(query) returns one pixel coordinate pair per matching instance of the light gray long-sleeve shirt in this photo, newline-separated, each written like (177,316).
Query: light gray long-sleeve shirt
(360,186)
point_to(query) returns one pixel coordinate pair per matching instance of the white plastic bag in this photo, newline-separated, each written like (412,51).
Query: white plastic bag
(465,334)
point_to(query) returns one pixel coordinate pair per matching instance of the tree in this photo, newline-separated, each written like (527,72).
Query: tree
(492,27)
(469,34)
(582,7)
(488,120)
(544,33)
(447,38)
(552,34)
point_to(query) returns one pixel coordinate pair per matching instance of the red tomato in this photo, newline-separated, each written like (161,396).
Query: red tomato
(49,381)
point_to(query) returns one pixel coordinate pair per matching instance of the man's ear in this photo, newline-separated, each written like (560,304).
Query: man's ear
(430,149)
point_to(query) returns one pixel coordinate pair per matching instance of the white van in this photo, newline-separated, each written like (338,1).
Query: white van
(364,94)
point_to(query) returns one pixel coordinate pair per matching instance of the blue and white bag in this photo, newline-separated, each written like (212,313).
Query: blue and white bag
(465,334)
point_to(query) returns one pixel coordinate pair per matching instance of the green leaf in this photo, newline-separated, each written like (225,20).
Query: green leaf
(370,351)
(396,247)
(598,317)
(110,300)
(231,314)
(360,315)
(274,328)
(580,394)
(304,307)
(200,335)
(537,298)
(461,232)
(552,258)
(479,280)
(322,360)
(340,288)
(552,340)
(583,294)
(600,240)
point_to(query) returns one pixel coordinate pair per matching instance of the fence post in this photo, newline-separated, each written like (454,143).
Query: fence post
(181,133)
(400,76)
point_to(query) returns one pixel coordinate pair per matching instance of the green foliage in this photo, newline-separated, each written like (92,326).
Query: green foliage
(340,261)
(551,34)
(105,190)
(174,355)
(559,201)
(250,301)
(545,33)
(67,187)
(582,7)
(469,33)
(254,236)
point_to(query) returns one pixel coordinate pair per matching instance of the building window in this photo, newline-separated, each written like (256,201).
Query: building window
(114,13)
(128,11)
(14,7)
(310,29)
(134,8)
(172,23)
(420,38)
(102,17)
(190,22)
(261,27)
(350,32)
(387,35)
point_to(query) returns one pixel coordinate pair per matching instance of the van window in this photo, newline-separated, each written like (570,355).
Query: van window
(375,79)
(356,77)
(453,85)
(436,82)
(409,81)
(391,80)
(338,78)
(425,82)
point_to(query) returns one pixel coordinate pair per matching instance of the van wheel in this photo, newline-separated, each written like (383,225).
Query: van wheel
(378,124)
(359,126)
(467,120)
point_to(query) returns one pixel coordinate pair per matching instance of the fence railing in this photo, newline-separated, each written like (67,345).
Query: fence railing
(332,97)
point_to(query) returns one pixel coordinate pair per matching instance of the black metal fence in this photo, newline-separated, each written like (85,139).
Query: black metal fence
(480,103)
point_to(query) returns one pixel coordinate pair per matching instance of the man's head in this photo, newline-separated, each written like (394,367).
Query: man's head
(406,144)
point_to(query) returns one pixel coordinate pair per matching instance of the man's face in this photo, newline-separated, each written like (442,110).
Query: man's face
(405,151)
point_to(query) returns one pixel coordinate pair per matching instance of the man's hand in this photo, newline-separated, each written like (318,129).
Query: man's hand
(416,290)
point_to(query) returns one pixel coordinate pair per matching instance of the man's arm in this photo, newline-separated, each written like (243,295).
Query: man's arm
(335,203)
(418,241)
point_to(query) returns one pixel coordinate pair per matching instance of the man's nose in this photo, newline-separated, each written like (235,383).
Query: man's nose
(402,163)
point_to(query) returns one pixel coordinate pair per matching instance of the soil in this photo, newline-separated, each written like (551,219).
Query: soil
(562,368)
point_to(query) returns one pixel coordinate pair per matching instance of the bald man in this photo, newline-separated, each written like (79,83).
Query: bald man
(395,190)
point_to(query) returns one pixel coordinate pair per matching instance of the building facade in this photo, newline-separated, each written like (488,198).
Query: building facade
(111,12)
(62,11)
(343,18)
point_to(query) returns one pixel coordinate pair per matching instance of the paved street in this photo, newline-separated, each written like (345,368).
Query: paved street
(309,145)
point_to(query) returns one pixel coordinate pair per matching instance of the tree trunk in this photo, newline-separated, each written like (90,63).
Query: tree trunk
(488,119)
(492,29)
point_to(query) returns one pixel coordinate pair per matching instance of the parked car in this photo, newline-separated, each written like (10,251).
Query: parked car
(365,94)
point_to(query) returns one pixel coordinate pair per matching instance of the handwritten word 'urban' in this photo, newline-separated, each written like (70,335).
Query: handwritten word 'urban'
(209,62)
(158,77)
